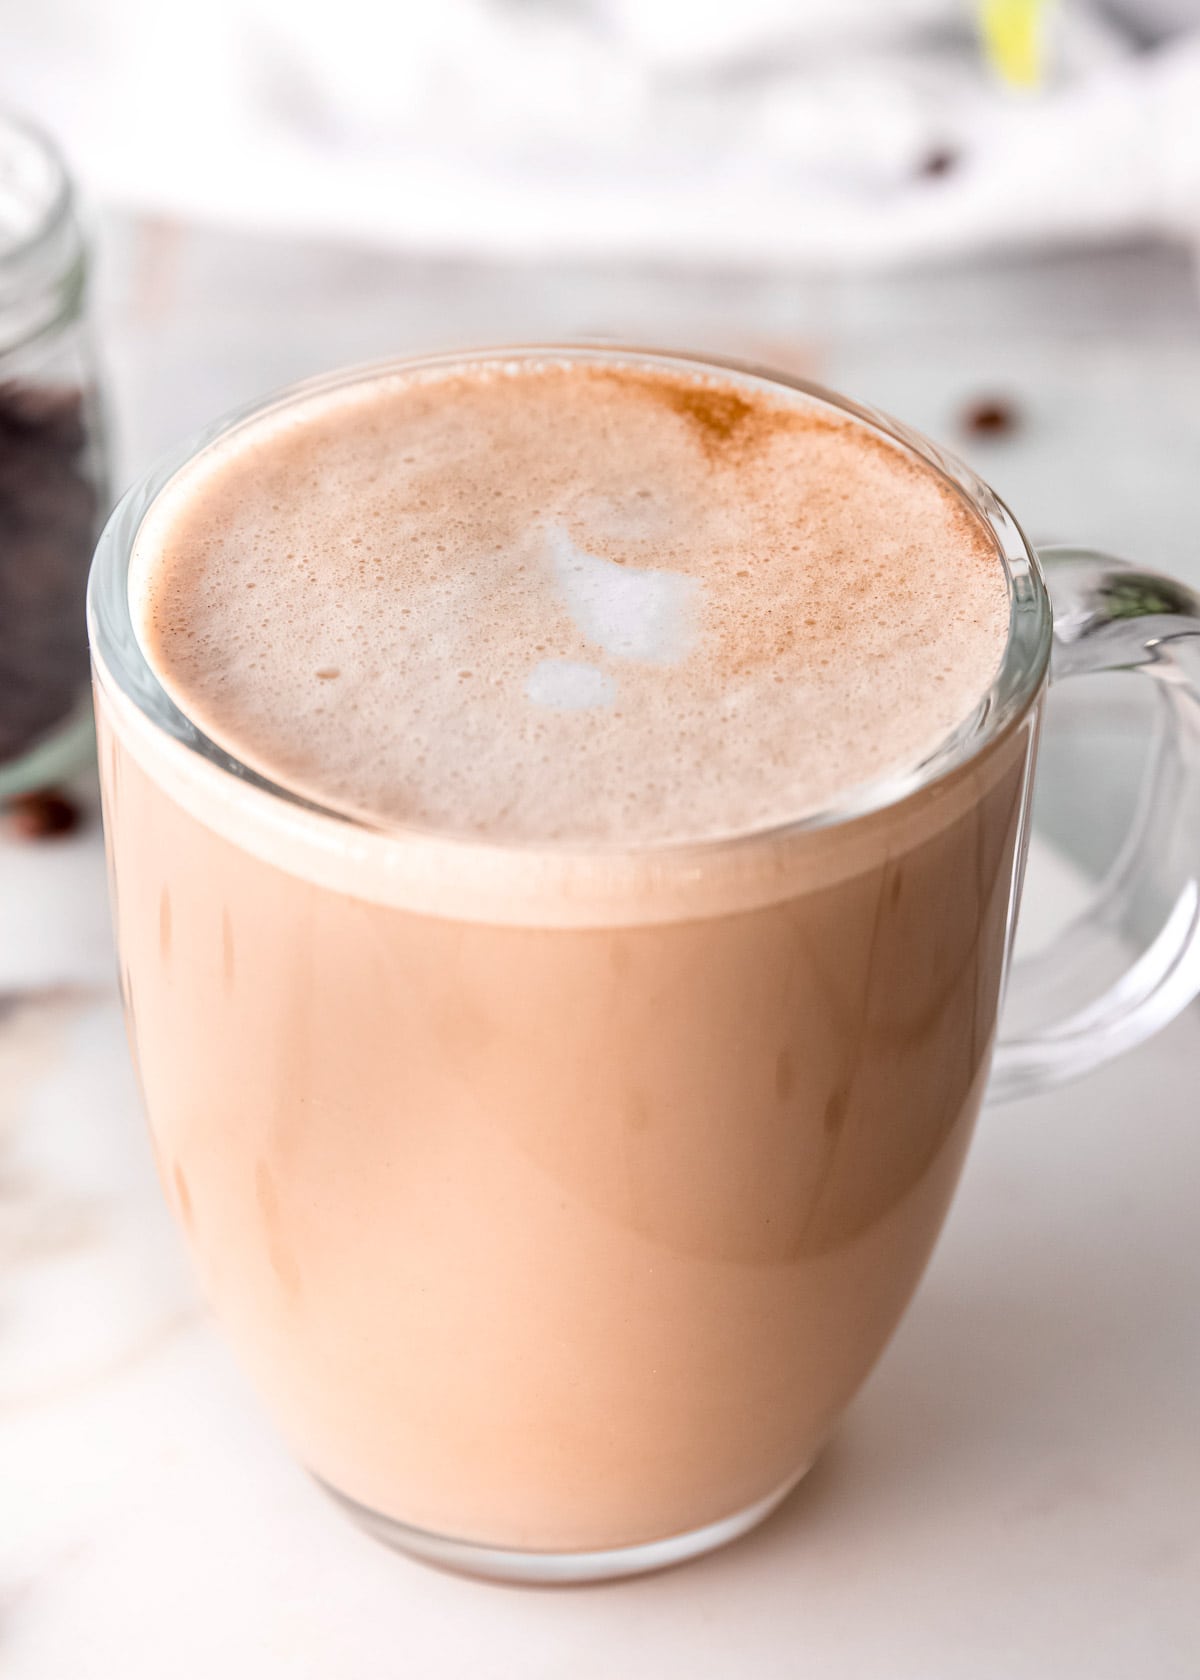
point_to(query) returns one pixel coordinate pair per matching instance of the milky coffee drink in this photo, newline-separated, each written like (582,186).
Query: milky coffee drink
(559,1105)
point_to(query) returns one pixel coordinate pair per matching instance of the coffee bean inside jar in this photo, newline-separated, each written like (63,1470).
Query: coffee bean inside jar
(52,478)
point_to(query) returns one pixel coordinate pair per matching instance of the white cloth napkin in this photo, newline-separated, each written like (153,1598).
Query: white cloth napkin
(766,132)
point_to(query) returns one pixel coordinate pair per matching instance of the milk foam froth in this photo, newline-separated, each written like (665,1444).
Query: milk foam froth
(546,601)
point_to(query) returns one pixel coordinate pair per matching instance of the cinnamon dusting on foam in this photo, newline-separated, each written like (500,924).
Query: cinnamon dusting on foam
(725,421)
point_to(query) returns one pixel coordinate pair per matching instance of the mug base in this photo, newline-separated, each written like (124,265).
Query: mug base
(546,1569)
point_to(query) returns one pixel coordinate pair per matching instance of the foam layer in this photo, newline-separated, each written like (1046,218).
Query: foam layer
(546,602)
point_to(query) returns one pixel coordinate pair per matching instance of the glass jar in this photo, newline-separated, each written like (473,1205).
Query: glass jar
(53,467)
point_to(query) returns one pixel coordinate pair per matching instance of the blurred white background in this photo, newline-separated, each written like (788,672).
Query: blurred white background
(831,133)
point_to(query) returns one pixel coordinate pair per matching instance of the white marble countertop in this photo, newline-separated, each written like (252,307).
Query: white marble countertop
(1015,1492)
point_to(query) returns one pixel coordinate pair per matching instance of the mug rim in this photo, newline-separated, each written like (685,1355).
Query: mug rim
(119,656)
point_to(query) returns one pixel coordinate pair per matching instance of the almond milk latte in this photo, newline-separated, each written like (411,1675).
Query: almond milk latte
(561,982)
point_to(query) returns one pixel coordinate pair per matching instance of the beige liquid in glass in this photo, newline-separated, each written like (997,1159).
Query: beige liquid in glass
(558,1186)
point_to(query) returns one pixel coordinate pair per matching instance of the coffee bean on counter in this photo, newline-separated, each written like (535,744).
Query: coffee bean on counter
(991,417)
(940,160)
(48,510)
(47,815)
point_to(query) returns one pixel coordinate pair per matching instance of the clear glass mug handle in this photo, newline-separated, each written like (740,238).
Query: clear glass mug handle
(1083,1000)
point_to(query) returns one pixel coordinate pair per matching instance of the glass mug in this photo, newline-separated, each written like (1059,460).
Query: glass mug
(557,1237)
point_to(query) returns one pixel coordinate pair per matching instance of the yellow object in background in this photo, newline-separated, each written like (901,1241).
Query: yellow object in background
(1015,39)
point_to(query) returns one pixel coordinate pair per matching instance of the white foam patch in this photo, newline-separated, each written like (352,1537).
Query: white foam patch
(630,611)
(568,685)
